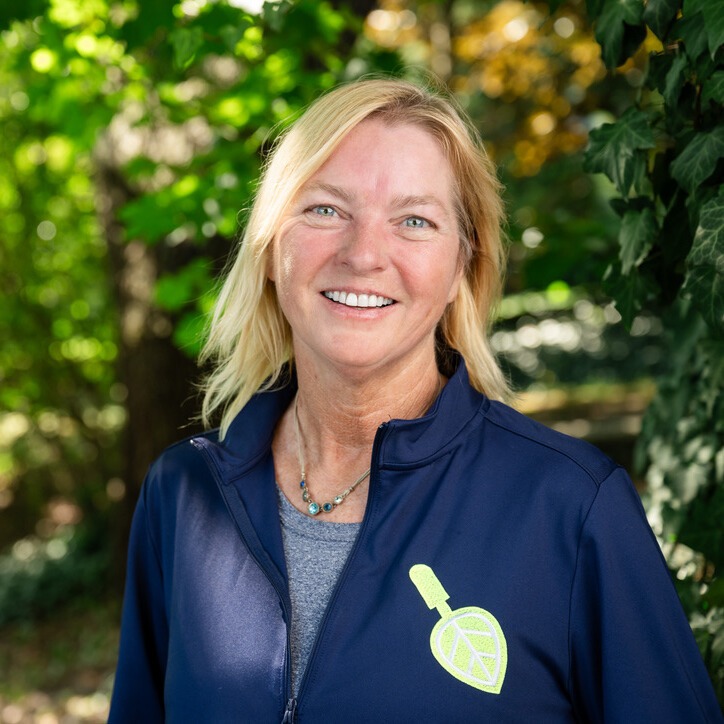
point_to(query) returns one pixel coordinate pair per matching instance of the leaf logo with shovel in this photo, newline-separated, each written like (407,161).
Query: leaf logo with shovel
(467,642)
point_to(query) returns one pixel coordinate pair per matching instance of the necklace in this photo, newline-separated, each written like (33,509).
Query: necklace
(312,507)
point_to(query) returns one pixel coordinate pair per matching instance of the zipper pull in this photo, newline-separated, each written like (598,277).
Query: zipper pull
(290,712)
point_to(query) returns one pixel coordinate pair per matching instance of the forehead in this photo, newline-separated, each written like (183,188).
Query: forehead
(381,156)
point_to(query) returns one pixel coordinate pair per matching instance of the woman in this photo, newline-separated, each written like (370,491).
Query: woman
(369,536)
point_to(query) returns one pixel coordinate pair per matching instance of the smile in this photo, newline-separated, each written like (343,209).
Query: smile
(359,300)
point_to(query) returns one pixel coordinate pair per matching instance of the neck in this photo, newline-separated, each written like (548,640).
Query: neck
(340,415)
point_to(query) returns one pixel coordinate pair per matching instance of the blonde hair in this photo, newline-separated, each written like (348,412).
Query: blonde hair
(250,342)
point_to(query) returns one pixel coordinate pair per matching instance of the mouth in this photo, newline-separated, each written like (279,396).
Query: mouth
(360,301)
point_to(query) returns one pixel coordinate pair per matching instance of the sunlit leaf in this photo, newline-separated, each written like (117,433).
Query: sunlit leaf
(616,149)
(186,42)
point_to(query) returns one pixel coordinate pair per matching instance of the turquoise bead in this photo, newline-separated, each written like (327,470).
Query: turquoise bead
(327,507)
(313,509)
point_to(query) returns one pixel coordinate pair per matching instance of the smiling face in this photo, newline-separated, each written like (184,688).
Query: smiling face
(367,258)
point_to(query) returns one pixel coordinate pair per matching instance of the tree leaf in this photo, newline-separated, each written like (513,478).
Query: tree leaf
(620,30)
(630,292)
(713,14)
(637,236)
(659,15)
(699,159)
(705,263)
(714,88)
(615,149)
(186,42)
(14,12)
(702,529)
(690,30)
(275,13)
(675,79)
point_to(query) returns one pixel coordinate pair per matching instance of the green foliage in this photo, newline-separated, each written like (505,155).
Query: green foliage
(37,577)
(173,104)
(619,150)
(664,156)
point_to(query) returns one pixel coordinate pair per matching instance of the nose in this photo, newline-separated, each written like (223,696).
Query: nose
(363,248)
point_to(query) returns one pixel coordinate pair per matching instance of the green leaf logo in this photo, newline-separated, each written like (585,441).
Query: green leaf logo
(467,642)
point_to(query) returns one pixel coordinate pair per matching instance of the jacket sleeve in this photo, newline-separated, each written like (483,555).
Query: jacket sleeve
(138,688)
(633,655)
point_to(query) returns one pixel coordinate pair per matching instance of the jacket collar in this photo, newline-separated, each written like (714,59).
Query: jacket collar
(405,443)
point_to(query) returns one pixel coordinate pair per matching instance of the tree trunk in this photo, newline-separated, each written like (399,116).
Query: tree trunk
(161,401)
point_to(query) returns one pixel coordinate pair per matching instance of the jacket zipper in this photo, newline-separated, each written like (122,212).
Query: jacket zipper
(290,710)
(291,705)
(379,437)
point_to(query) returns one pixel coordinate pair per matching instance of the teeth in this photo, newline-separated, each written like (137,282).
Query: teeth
(360,301)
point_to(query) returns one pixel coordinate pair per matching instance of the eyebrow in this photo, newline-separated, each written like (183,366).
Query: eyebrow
(337,191)
(399,201)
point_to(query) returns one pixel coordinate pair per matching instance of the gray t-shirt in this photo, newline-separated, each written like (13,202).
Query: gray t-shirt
(315,551)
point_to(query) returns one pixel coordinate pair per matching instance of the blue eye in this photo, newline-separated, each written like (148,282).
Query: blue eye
(416,222)
(323,210)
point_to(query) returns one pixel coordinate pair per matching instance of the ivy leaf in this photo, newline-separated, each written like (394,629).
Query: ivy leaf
(616,149)
(705,263)
(699,159)
(620,30)
(186,42)
(675,79)
(629,292)
(714,88)
(637,236)
(702,529)
(690,30)
(659,15)
(713,14)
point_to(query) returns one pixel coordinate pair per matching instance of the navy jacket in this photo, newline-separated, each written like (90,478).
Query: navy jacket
(538,592)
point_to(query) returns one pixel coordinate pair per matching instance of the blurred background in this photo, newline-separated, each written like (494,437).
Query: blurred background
(131,135)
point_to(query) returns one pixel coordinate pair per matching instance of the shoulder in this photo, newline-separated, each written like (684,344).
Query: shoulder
(179,466)
(540,445)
